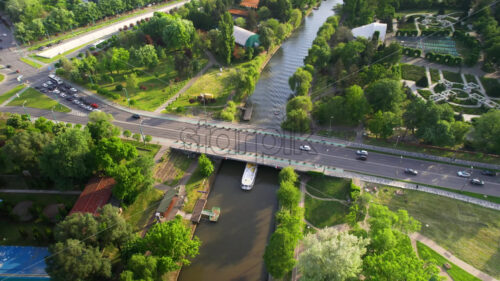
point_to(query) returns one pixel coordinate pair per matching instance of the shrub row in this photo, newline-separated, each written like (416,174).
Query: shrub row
(411,52)
(435,32)
(407,32)
(444,59)
(107,93)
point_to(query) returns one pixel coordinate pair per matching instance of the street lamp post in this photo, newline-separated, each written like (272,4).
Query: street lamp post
(142,133)
(397,141)
(331,117)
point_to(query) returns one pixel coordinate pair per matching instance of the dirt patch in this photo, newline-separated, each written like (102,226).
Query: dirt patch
(172,167)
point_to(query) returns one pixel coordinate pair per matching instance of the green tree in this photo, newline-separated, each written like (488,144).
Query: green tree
(65,159)
(148,138)
(383,124)
(172,240)
(100,126)
(206,166)
(145,56)
(356,104)
(108,153)
(241,22)
(279,255)
(59,20)
(132,82)
(73,260)
(297,120)
(331,255)
(132,178)
(299,102)
(288,174)
(227,39)
(300,81)
(296,18)
(23,150)
(127,134)
(385,95)
(288,195)
(113,228)
(486,131)
(252,20)
(119,58)
(141,267)
(44,125)
(79,226)
(267,37)
(136,137)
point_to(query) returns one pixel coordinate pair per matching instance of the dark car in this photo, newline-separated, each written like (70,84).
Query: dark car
(8,66)
(362,157)
(488,173)
(136,116)
(41,48)
(411,171)
(69,98)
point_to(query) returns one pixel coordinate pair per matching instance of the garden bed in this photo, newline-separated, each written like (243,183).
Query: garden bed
(452,76)
(491,86)
(412,72)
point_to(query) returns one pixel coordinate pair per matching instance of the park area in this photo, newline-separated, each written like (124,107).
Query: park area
(35,99)
(325,203)
(468,231)
(153,86)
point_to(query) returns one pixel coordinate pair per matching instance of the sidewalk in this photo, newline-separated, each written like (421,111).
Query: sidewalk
(38,191)
(440,250)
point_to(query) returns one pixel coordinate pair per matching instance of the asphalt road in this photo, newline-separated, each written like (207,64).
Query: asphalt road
(278,146)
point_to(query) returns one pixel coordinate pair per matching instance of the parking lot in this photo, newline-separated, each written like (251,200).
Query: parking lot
(66,94)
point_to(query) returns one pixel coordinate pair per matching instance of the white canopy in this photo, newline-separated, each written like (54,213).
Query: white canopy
(368,30)
(241,35)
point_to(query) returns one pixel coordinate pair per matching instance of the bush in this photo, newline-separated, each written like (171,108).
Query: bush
(422,82)
(107,93)
(119,87)
(439,88)
(60,72)
(205,165)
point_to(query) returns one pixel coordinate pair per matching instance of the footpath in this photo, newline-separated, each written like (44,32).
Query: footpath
(36,191)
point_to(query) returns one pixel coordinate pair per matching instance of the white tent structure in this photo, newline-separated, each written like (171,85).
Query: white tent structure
(368,30)
(245,37)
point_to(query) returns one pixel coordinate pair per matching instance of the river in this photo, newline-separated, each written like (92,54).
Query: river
(272,91)
(232,248)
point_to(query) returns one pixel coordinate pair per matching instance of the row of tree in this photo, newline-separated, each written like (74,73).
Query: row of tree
(279,254)
(486,19)
(68,156)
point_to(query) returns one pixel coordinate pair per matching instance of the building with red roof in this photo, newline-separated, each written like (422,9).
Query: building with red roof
(95,195)
(250,4)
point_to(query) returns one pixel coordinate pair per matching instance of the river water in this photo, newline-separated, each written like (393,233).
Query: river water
(232,248)
(272,91)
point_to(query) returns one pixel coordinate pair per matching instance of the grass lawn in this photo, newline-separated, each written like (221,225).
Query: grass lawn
(452,76)
(327,187)
(9,232)
(479,157)
(470,78)
(468,231)
(139,213)
(324,213)
(197,182)
(30,62)
(434,75)
(412,72)
(2,76)
(5,96)
(457,273)
(425,93)
(159,83)
(35,99)
(491,86)
(78,31)
(148,149)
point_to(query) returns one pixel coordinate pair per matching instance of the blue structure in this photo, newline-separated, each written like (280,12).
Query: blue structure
(23,263)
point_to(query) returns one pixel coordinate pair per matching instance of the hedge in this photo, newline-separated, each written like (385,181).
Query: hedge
(444,59)
(407,32)
(411,52)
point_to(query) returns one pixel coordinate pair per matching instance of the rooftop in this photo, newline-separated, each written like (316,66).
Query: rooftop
(95,195)
(250,3)
(368,30)
(237,12)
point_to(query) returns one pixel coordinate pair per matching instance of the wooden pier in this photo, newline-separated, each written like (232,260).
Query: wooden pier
(198,209)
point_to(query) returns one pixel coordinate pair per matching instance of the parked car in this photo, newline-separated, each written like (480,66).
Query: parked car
(136,116)
(477,182)
(362,152)
(488,173)
(411,171)
(63,95)
(45,85)
(463,174)
(56,91)
(362,157)
(73,90)
(94,105)
(305,147)
(69,98)
(76,96)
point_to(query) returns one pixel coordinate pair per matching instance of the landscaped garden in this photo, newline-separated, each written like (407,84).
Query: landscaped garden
(452,76)
(35,99)
(412,72)
(491,86)
(468,231)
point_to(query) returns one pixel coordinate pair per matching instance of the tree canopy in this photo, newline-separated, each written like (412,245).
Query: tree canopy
(205,165)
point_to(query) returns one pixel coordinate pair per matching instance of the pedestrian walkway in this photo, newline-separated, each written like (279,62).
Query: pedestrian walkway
(41,191)
(458,262)
(211,62)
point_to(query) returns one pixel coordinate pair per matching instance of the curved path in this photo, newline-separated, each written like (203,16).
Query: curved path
(443,252)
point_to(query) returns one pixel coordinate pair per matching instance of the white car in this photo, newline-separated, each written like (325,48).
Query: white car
(45,85)
(73,90)
(49,83)
(362,152)
(76,96)
(63,95)
(56,91)
(463,174)
(305,147)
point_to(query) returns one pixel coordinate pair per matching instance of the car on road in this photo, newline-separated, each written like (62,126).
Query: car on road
(56,91)
(463,174)
(73,90)
(45,85)
(362,157)
(476,181)
(488,173)
(69,98)
(94,105)
(63,95)
(76,96)
(305,147)
(411,171)
(362,152)
(136,116)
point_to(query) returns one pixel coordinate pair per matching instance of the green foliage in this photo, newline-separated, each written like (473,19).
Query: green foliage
(385,95)
(491,86)
(300,81)
(65,159)
(486,132)
(331,255)
(205,165)
(288,195)
(132,178)
(100,126)
(228,113)
(297,121)
(382,124)
(279,255)
(23,150)
(287,174)
(108,153)
(226,37)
